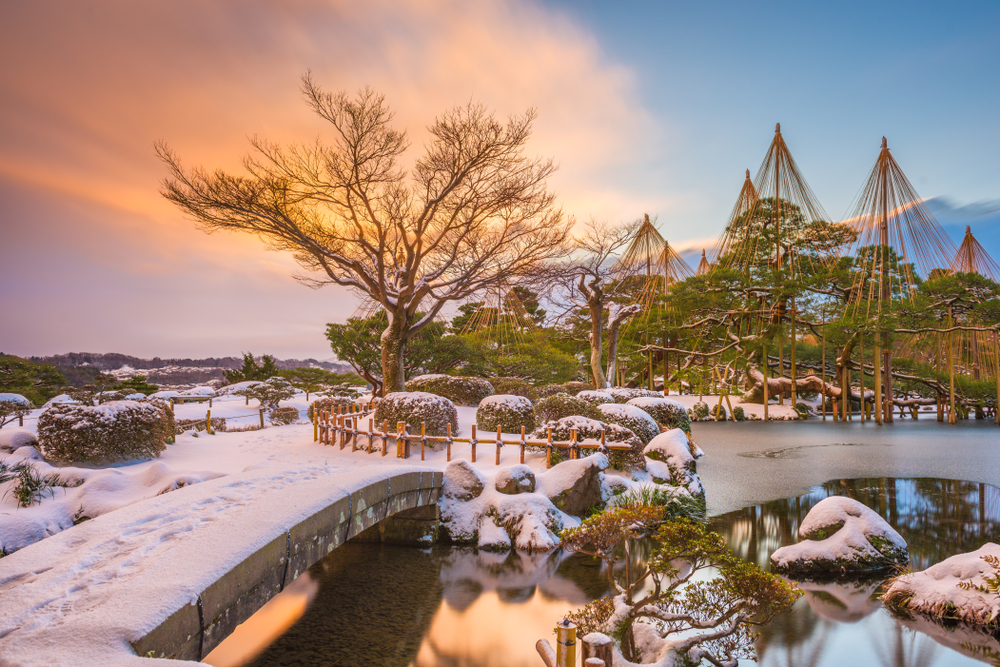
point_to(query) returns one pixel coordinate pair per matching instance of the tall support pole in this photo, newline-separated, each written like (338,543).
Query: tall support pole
(823,376)
(666,366)
(861,381)
(952,418)
(996,350)
(937,367)
(781,362)
(849,403)
(764,370)
(879,417)
(791,359)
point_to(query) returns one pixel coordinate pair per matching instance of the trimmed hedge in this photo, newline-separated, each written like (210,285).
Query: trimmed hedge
(631,417)
(547,390)
(667,412)
(507,411)
(108,433)
(700,410)
(590,429)
(459,390)
(596,396)
(414,407)
(284,415)
(513,387)
(562,405)
(573,387)
(625,394)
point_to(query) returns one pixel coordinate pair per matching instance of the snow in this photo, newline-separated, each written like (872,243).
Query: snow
(650,401)
(936,587)
(81,596)
(673,447)
(199,391)
(165,395)
(11,439)
(850,543)
(137,396)
(55,400)
(507,400)
(14,398)
(595,395)
(231,389)
(562,477)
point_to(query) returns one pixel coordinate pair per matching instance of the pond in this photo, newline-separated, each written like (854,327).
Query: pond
(370,604)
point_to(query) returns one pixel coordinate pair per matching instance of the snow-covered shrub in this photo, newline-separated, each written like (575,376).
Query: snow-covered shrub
(182,425)
(561,405)
(230,389)
(631,417)
(13,406)
(700,410)
(802,410)
(596,396)
(331,403)
(739,414)
(12,439)
(667,412)
(625,394)
(590,430)
(719,411)
(283,416)
(513,386)
(506,411)
(547,390)
(573,387)
(674,449)
(118,431)
(30,486)
(459,390)
(414,407)
(269,393)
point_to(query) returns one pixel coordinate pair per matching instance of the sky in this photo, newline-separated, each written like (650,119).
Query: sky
(647,107)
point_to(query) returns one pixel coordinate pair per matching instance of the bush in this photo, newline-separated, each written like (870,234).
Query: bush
(510,386)
(547,390)
(573,388)
(590,429)
(414,407)
(458,390)
(181,425)
(269,393)
(13,406)
(283,416)
(625,394)
(738,414)
(561,405)
(631,417)
(118,431)
(720,411)
(507,411)
(667,412)
(700,410)
(596,396)
(331,403)
(802,410)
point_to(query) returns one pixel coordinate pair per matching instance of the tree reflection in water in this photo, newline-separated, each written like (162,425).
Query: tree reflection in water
(937,518)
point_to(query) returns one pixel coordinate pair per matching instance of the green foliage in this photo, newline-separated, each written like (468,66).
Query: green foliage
(528,354)
(674,505)
(991,584)
(719,411)
(30,487)
(283,416)
(590,429)
(459,390)
(270,392)
(11,410)
(137,385)
(105,433)
(700,410)
(251,370)
(36,382)
(739,414)
(434,411)
(508,412)
(513,386)
(557,406)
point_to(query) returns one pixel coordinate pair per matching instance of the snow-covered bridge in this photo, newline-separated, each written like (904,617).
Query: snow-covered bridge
(173,575)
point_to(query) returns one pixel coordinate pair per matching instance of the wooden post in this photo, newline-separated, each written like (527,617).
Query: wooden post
(385,437)
(354,433)
(208,422)
(822,394)
(371,431)
(574,453)
(666,366)
(604,442)
(996,346)
(764,370)
(952,417)
(172,403)
(548,451)
(596,649)
(937,367)
(791,352)
(262,417)
(448,442)
(315,423)
(523,444)
(472,442)
(423,439)
(401,440)
(499,444)
(879,406)
(566,643)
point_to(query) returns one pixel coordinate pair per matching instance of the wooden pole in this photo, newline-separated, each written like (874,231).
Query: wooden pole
(597,649)
(764,370)
(781,363)
(400,440)
(548,451)
(940,398)
(315,423)
(262,417)
(499,444)
(996,346)
(879,408)
(822,396)
(385,437)
(523,444)
(566,644)
(208,422)
(952,418)
(423,439)
(666,366)
(472,442)
(791,352)
(448,443)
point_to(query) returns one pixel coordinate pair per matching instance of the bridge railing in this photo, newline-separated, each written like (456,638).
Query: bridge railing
(355,426)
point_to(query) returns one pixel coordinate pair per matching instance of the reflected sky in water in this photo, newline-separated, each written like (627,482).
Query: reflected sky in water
(379,605)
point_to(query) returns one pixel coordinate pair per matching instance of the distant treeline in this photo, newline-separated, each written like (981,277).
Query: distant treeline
(114,360)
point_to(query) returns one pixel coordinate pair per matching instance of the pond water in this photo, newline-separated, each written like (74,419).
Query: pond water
(370,604)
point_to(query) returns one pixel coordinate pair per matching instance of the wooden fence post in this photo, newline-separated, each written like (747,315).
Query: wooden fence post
(208,422)
(598,649)
(423,439)
(499,444)
(315,417)
(262,417)
(548,451)
(401,440)
(472,442)
(523,444)
(604,444)
(385,437)
(448,442)
(574,452)
(566,646)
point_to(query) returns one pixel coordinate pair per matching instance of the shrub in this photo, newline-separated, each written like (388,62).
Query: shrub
(802,410)
(29,487)
(625,394)
(573,387)
(667,412)
(562,405)
(331,403)
(590,429)
(596,396)
(507,411)
(631,417)
(547,390)
(269,393)
(181,425)
(738,414)
(283,416)
(118,431)
(414,407)
(506,386)
(720,411)
(13,406)
(700,410)
(458,390)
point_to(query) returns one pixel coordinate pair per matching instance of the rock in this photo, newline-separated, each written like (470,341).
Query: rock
(515,479)
(28,452)
(575,486)
(840,536)
(672,451)
(12,439)
(462,481)
(493,537)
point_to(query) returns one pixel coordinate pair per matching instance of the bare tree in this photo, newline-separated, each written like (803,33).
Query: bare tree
(590,280)
(473,211)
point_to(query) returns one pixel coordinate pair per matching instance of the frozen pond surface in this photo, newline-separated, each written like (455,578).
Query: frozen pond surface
(380,605)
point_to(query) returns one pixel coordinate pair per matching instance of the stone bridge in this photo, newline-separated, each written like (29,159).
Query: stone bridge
(173,575)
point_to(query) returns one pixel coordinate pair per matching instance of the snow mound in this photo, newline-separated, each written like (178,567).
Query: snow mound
(15,398)
(56,400)
(840,535)
(670,460)
(12,439)
(667,412)
(165,395)
(596,396)
(631,417)
(231,389)
(936,591)
(200,391)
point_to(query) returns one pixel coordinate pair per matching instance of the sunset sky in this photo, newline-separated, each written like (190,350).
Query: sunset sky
(651,107)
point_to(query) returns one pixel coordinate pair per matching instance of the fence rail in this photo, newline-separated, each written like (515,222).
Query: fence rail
(341,427)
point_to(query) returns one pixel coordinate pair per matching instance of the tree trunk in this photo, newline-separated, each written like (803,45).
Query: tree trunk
(393,351)
(596,322)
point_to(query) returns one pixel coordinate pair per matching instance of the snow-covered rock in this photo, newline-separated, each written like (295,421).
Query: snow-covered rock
(137,396)
(631,417)
(165,395)
(232,389)
(839,536)
(843,601)
(672,451)
(14,398)
(56,400)
(514,480)
(462,481)
(937,593)
(11,439)
(575,486)
(666,411)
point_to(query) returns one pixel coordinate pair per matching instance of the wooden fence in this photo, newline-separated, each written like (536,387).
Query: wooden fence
(343,427)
